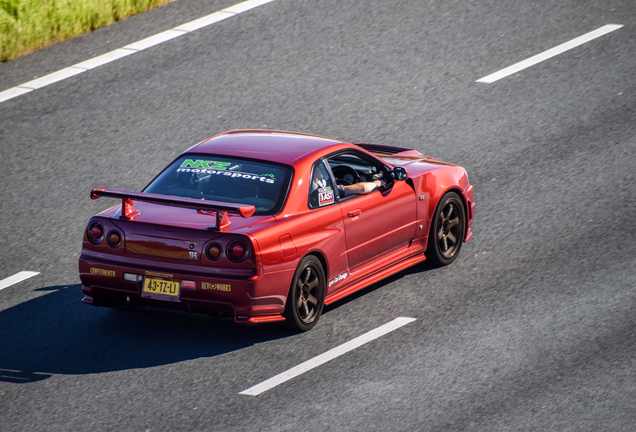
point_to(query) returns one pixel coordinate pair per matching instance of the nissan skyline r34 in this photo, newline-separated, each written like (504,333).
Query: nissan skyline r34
(262,226)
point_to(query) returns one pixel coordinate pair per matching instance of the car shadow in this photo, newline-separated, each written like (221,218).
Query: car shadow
(57,334)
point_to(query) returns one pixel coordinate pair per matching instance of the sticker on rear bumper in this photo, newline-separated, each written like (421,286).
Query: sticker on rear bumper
(216,286)
(102,272)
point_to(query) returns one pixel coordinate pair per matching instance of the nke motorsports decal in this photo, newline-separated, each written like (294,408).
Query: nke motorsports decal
(214,167)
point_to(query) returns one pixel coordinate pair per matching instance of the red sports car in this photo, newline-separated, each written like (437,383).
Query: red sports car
(262,226)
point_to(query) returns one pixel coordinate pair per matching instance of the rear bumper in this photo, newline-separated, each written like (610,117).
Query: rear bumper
(245,300)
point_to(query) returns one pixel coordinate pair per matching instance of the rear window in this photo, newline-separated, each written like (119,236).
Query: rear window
(217,178)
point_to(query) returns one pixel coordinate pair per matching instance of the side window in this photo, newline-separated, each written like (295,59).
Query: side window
(321,188)
(349,169)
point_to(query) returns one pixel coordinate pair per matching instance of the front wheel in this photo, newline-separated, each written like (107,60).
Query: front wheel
(448,229)
(306,297)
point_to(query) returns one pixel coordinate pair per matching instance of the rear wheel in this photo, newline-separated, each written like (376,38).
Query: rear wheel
(448,229)
(306,297)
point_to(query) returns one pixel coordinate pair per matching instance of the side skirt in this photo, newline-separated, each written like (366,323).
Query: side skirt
(374,277)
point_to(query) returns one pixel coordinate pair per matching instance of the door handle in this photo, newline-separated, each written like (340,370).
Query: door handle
(354,213)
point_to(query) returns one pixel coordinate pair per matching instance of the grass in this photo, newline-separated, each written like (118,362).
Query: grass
(29,25)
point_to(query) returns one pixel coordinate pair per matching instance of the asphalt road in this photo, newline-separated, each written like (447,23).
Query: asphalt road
(532,328)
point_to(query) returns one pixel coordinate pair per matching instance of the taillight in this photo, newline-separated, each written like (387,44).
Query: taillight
(214,251)
(238,251)
(114,239)
(95,233)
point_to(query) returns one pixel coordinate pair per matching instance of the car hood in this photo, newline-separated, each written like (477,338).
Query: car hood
(417,164)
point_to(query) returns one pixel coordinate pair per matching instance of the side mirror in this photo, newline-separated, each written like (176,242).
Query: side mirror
(400,173)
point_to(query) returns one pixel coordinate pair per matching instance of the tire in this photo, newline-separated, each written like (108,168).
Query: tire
(448,229)
(306,297)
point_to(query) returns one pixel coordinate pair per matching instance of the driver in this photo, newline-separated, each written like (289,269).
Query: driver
(359,188)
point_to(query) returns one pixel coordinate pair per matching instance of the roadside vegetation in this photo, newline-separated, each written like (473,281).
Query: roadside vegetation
(29,25)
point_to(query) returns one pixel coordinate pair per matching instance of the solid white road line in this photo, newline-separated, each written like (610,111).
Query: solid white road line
(54,77)
(549,53)
(104,59)
(18,277)
(130,49)
(327,356)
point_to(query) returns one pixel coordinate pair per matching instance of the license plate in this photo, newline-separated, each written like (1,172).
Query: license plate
(161,289)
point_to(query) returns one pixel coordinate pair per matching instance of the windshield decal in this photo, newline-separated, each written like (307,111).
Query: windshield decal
(189,163)
(231,174)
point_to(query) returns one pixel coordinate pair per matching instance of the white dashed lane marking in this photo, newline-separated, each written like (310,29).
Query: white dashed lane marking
(133,48)
(327,356)
(549,53)
(18,277)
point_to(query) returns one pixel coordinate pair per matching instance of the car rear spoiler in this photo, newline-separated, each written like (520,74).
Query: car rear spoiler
(128,209)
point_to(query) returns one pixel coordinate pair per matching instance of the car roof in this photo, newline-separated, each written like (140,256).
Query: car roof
(274,146)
